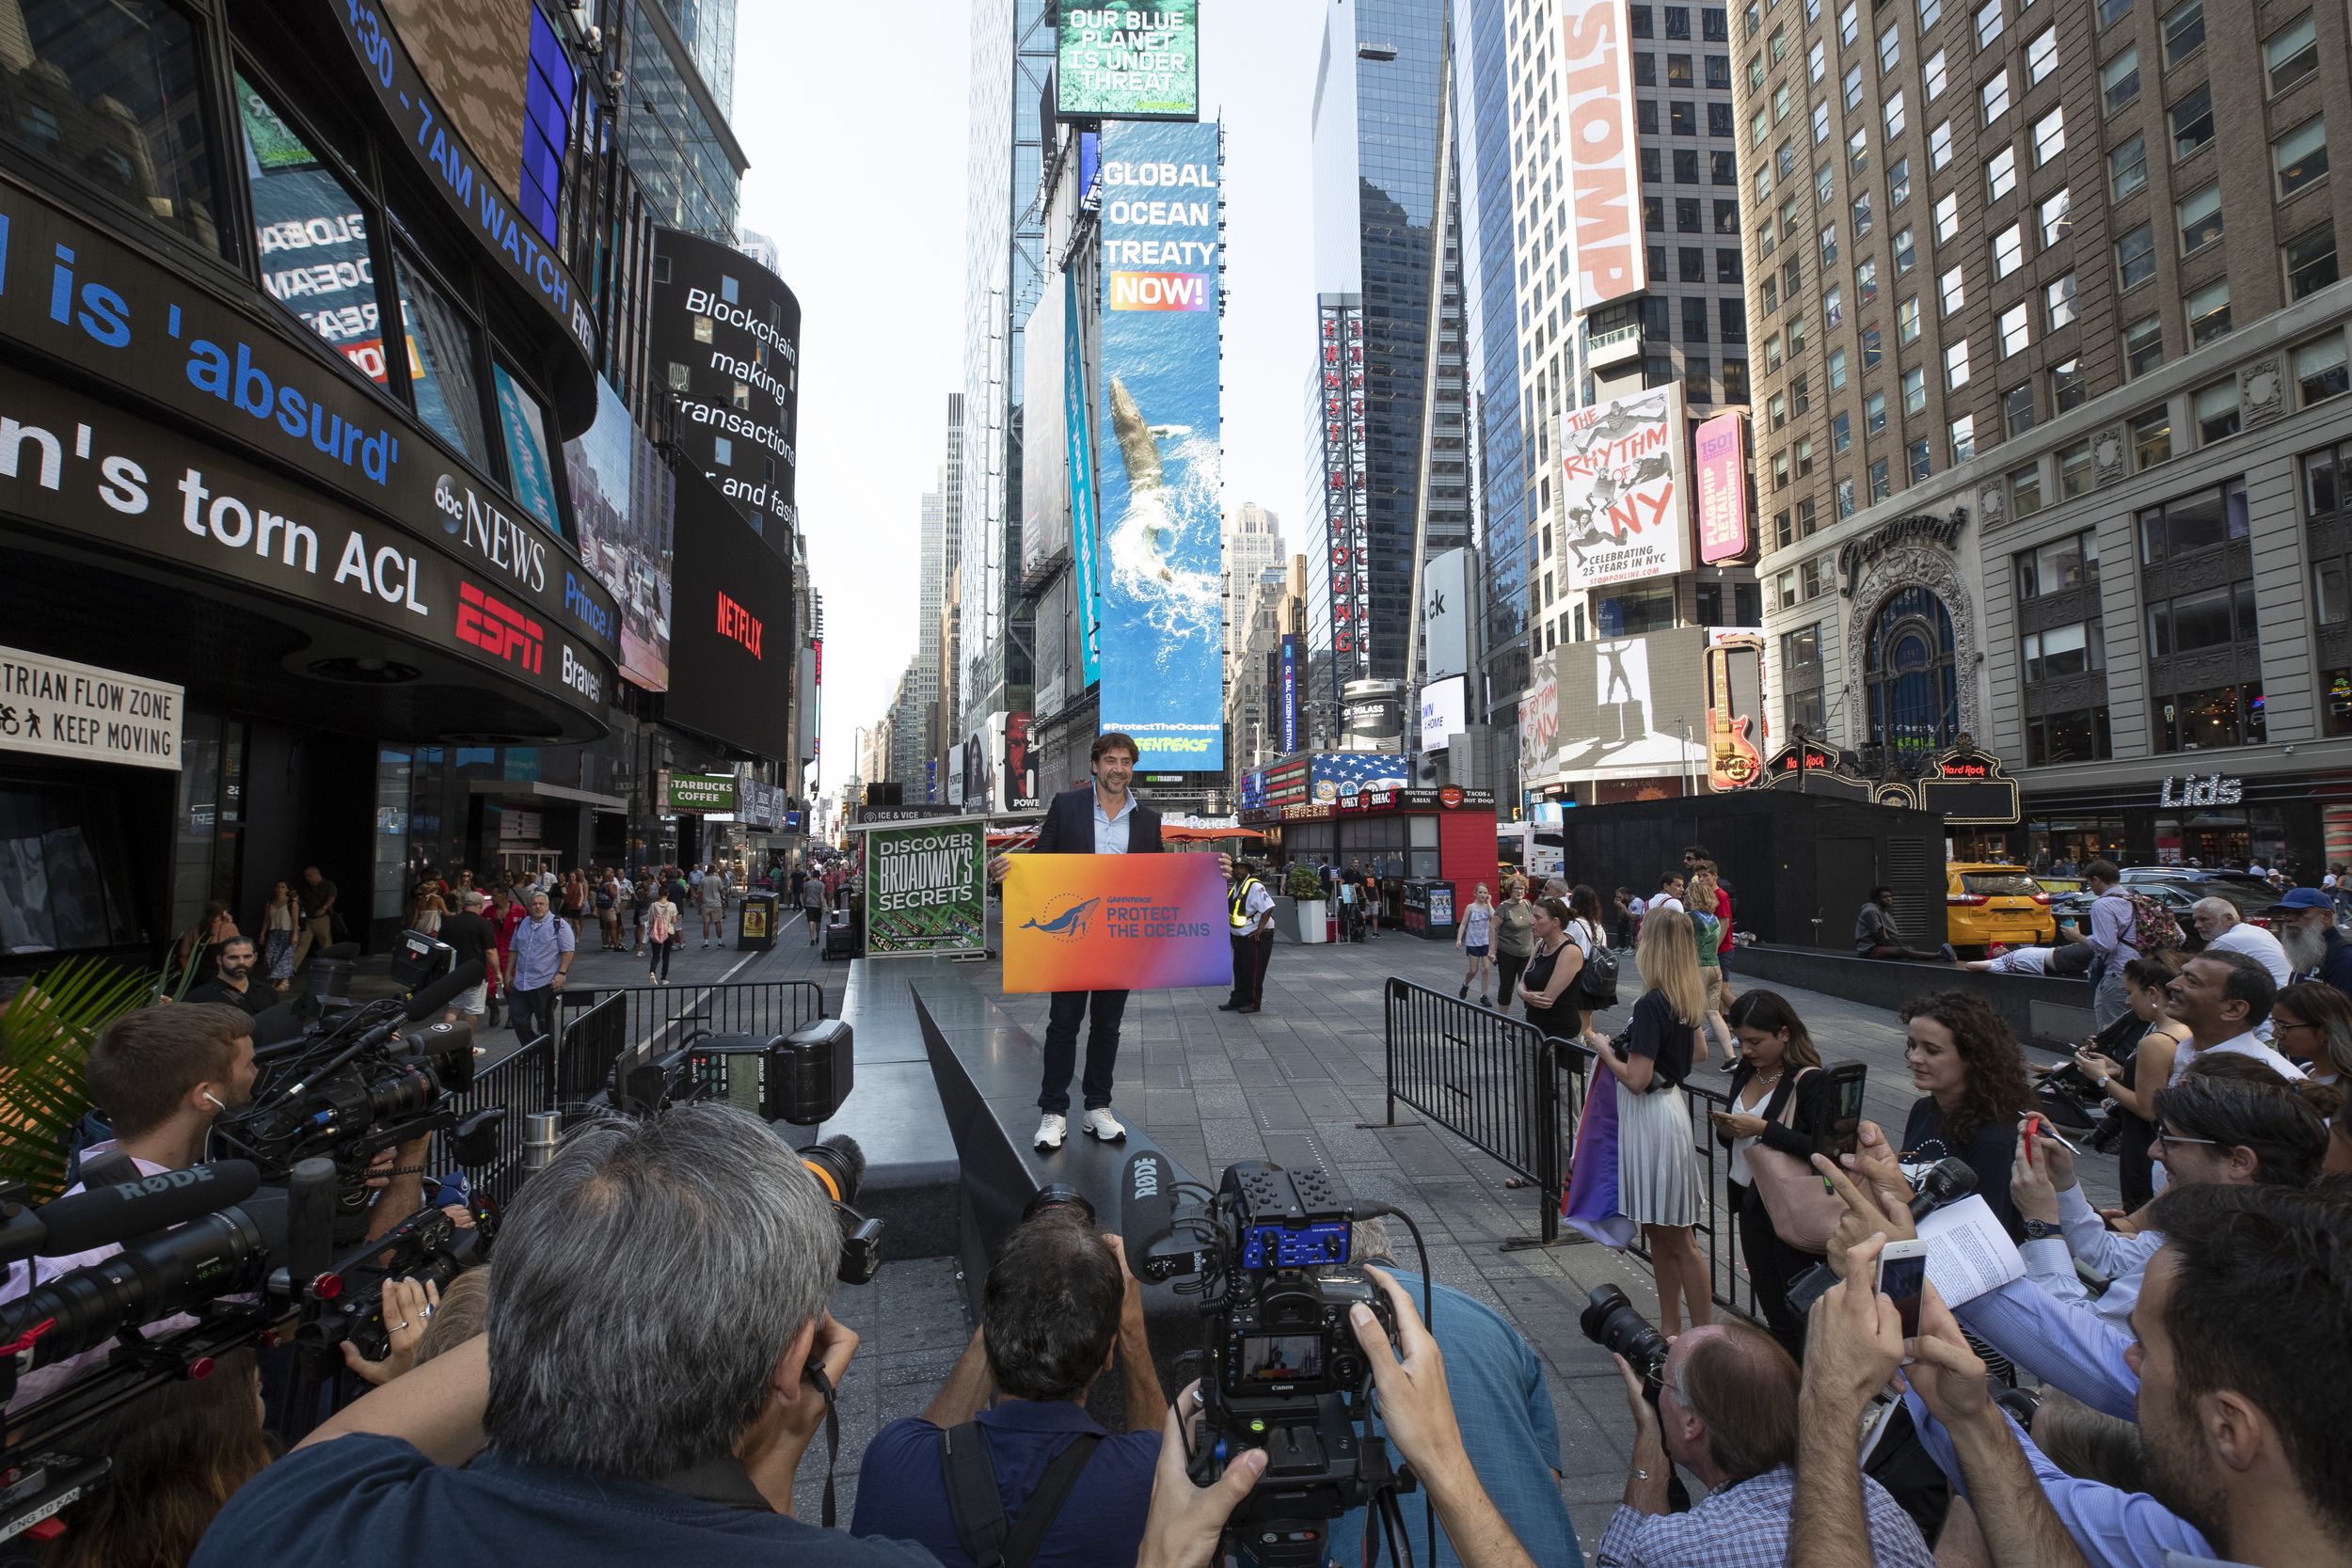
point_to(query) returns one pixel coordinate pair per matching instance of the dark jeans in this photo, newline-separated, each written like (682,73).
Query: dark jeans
(1251,954)
(532,1012)
(1061,1047)
(1771,1265)
(1508,967)
(657,961)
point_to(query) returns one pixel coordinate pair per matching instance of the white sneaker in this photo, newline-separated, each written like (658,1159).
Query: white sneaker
(1050,1129)
(1100,1124)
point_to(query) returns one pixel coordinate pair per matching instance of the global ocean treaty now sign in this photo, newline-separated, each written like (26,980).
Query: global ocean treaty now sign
(62,709)
(925,889)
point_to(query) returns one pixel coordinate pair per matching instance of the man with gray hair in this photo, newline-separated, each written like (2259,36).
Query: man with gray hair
(476,941)
(2226,930)
(656,1360)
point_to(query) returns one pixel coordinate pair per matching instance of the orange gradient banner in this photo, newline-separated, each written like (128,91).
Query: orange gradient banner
(1115,923)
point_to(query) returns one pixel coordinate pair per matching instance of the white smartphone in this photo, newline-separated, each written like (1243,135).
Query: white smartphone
(1903,1279)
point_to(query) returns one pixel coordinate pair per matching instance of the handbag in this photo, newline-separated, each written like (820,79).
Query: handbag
(1805,1213)
(1596,982)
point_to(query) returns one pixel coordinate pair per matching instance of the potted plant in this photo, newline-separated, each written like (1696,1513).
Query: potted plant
(1301,906)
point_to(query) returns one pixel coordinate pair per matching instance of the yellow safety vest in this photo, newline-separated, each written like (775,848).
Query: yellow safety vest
(1237,901)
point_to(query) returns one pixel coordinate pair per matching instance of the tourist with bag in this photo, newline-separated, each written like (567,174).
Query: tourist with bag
(1548,987)
(662,933)
(1597,977)
(1782,1105)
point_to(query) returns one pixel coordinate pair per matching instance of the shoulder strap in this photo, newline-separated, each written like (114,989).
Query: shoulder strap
(1788,1095)
(980,1510)
(1053,1488)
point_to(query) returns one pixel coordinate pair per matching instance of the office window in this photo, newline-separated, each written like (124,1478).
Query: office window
(2128,167)
(1898,183)
(1691,262)
(1988,23)
(1654,214)
(1686,166)
(1869,347)
(1645,69)
(1735,380)
(2008,251)
(2200,217)
(1824,184)
(2057,566)
(1860,213)
(2208,313)
(2017,412)
(1858,153)
(2075,472)
(2300,156)
(1865,277)
(1829,244)
(2311,260)
(1638,21)
(1652,167)
(2111,12)
(1946,217)
(1645,116)
(1687,218)
(1851,87)
(2187,524)
(1849,25)
(1874,414)
(2319,369)
(1723,170)
(2184,31)
(2016,329)
(1893,116)
(1956,365)
(1840,432)
(1717,124)
(2069,386)
(2049,136)
(1993,97)
(1880,487)
(1836,370)
(1917,455)
(2063,651)
(2057,299)
(2053,214)
(1783,101)
(2136,256)
(1784,533)
(2000,173)
(1805,444)
(2202,720)
(2291,54)
(2042,55)
(1821,123)
(1905,257)
(2025,490)
(1680,72)
(1890,47)
(1939,145)
(2143,346)
(1678,22)
(2215,408)
(2192,121)
(1915,390)
(2119,79)
(1713,23)
(1907,321)
(1796,330)
(1785,588)
(1951,291)
(1844,498)
(1719,72)
(1834,305)
(1731,319)
(1780,471)
(1935,76)
(2152,436)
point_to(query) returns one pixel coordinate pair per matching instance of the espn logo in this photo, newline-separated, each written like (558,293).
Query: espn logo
(1159,290)
(498,629)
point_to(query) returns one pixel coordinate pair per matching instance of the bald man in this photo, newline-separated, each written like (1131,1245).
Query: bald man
(2226,931)
(1726,1413)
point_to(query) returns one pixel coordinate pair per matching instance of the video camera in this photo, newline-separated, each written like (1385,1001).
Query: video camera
(1285,1372)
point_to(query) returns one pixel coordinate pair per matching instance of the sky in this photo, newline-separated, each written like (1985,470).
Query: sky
(860,180)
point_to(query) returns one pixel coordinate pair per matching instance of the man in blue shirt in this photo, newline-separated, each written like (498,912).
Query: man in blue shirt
(2112,919)
(541,953)
(1059,1307)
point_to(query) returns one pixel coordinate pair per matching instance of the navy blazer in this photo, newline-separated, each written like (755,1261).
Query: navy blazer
(1069,826)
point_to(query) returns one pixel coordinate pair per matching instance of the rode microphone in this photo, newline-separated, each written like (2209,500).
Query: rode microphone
(442,993)
(152,1203)
(1147,1207)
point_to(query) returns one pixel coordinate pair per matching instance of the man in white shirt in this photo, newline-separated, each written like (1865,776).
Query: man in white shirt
(1669,894)
(2226,931)
(2221,996)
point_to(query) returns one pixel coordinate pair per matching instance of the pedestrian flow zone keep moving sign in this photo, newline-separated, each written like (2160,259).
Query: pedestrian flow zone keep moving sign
(926,887)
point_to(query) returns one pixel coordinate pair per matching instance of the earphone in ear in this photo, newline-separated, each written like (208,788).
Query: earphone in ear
(215,1099)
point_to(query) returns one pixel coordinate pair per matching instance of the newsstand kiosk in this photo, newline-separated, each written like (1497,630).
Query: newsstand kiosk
(1430,848)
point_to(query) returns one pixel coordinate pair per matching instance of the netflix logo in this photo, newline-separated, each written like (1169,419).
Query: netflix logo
(738,625)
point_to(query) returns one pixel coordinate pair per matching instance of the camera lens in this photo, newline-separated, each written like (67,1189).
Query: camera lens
(1058,1195)
(1609,1322)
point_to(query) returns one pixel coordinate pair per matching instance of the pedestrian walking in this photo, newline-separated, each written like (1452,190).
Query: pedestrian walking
(315,902)
(576,903)
(475,940)
(277,938)
(812,899)
(712,895)
(1371,904)
(505,913)
(542,947)
(661,931)
(1250,909)
(608,910)
(1514,939)
(1474,936)
(640,900)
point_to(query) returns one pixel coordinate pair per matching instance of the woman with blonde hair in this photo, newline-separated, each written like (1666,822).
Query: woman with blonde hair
(1706,932)
(1636,1160)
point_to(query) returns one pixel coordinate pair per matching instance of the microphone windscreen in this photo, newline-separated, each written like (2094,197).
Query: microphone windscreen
(114,1214)
(1147,1206)
(446,989)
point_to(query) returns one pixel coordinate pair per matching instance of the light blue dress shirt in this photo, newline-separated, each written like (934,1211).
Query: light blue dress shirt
(2064,1344)
(537,951)
(2121,1258)
(1110,832)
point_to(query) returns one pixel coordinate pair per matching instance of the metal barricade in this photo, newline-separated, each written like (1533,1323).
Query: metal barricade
(519,1083)
(1487,1078)
(598,1027)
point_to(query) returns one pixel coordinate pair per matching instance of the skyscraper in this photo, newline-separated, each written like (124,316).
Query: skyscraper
(674,118)
(937,548)
(1013,54)
(1376,175)
(1254,542)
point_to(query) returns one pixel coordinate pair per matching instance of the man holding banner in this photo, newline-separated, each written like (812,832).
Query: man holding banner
(1105,819)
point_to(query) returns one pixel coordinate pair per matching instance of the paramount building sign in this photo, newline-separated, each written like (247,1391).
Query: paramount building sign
(1923,527)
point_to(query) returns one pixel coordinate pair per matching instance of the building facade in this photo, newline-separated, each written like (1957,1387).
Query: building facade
(1254,542)
(2053,356)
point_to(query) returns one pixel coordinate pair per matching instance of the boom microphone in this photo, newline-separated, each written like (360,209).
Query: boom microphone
(442,993)
(112,1215)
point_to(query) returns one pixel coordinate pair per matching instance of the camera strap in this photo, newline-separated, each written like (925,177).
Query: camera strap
(980,1511)
(823,1384)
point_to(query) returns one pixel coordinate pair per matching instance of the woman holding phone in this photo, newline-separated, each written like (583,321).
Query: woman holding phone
(2133,1088)
(1972,1081)
(1782,1099)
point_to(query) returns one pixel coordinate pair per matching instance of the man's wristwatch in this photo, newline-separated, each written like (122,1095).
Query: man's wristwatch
(2042,1230)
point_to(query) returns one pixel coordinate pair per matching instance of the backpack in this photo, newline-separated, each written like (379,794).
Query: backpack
(2154,926)
(1596,982)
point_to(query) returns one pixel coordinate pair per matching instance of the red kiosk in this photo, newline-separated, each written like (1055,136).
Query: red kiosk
(1431,846)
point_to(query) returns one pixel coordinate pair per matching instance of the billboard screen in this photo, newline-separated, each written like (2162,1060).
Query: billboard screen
(623,497)
(732,649)
(1129,62)
(1334,776)
(1621,487)
(505,83)
(1345,519)
(1163,620)
(725,337)
(1723,484)
(1085,531)
(1603,190)
(1044,443)
(1445,614)
(1290,692)
(1444,711)
(1620,708)
(1736,733)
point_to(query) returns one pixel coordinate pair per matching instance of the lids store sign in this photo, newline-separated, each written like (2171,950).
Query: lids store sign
(2211,790)
(59,708)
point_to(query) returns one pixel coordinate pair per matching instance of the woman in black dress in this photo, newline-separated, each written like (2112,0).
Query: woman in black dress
(1972,1081)
(1781,1099)
(1547,986)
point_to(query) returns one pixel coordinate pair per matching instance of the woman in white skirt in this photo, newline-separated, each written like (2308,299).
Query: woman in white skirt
(1658,1167)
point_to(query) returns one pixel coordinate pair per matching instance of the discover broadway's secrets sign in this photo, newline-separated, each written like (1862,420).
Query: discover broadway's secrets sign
(926,889)
(1115,923)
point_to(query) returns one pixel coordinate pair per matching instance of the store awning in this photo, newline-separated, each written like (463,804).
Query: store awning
(540,791)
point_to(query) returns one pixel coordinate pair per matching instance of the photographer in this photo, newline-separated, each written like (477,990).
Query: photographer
(1728,1413)
(658,1359)
(1059,1307)
(1509,1432)
(159,1076)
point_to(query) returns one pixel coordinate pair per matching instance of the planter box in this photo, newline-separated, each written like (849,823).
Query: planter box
(1302,920)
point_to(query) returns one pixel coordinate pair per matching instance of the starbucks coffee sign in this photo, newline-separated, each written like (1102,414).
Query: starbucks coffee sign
(2211,790)
(702,792)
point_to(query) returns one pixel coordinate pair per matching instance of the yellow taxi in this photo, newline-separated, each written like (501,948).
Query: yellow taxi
(1988,905)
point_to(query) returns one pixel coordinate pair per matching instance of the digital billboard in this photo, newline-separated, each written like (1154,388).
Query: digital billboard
(1445,712)
(725,336)
(732,651)
(1044,444)
(1604,194)
(1129,62)
(1624,516)
(1086,533)
(505,82)
(1445,614)
(1621,709)
(1347,525)
(1161,518)
(623,496)
(1723,482)
(1289,706)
